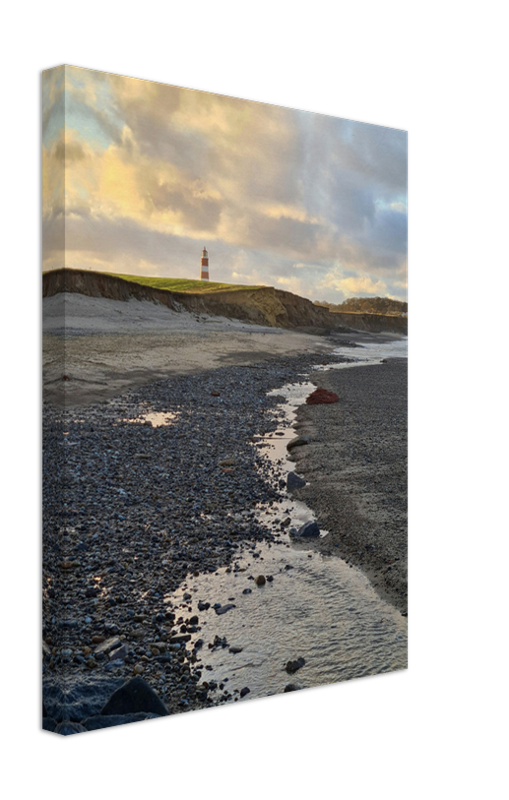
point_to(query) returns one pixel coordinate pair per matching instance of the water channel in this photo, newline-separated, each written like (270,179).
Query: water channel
(312,606)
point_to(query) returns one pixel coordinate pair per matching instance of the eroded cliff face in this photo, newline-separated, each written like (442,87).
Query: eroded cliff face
(260,306)
(374,323)
(97,284)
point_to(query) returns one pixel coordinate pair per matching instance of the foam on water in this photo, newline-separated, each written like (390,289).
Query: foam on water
(368,353)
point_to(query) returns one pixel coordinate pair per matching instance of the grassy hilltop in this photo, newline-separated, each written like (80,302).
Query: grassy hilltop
(184,285)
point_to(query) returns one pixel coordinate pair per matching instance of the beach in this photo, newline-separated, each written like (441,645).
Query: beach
(164,483)
(356,468)
(106,346)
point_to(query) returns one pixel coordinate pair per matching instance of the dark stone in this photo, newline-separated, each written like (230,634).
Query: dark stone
(48,724)
(260,580)
(184,637)
(110,720)
(236,650)
(294,481)
(244,691)
(309,531)
(291,687)
(298,441)
(224,609)
(66,728)
(194,620)
(293,666)
(77,699)
(135,695)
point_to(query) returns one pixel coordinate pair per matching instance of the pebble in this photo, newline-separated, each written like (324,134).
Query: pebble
(148,508)
(293,666)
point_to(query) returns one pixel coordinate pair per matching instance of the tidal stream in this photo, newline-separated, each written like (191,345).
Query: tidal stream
(311,606)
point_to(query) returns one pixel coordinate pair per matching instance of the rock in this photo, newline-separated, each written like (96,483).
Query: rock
(298,441)
(260,580)
(48,724)
(247,591)
(138,669)
(224,609)
(228,462)
(107,646)
(109,721)
(76,699)
(120,653)
(183,637)
(321,396)
(294,481)
(244,691)
(291,687)
(309,530)
(66,728)
(293,666)
(236,650)
(134,696)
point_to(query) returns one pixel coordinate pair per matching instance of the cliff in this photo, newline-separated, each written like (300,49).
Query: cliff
(260,306)
(375,323)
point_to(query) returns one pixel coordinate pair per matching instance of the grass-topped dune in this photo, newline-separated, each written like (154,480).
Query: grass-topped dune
(185,285)
(260,305)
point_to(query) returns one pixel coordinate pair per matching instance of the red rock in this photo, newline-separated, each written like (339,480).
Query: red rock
(215,394)
(320,396)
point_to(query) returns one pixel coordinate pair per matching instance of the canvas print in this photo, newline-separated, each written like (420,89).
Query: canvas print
(224,400)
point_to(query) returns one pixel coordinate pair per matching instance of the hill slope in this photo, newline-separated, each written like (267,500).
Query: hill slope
(260,305)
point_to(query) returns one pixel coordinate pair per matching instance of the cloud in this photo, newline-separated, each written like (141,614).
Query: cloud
(152,170)
(361,285)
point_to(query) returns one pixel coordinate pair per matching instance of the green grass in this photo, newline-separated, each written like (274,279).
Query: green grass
(183,285)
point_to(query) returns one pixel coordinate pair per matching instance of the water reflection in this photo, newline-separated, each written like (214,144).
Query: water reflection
(156,418)
(310,606)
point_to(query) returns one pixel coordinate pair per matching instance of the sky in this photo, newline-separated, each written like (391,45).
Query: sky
(139,176)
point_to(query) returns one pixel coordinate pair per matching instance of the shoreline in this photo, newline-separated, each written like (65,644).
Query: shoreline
(356,468)
(130,489)
(127,497)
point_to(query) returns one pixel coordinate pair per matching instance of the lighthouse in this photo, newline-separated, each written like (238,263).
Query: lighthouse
(204,265)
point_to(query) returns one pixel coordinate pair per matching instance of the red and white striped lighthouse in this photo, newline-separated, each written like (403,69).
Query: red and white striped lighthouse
(204,265)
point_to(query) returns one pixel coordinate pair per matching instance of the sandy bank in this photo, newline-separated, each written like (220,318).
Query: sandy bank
(356,464)
(107,346)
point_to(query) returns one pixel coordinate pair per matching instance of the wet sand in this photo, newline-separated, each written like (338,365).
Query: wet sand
(356,466)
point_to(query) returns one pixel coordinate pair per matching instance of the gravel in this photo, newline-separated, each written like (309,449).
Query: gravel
(131,509)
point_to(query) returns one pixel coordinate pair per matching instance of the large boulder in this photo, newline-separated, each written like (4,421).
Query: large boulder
(320,397)
(134,696)
(309,530)
(294,481)
(69,699)
(297,441)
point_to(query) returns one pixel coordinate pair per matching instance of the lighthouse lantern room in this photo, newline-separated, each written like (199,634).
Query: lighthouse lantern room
(204,265)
